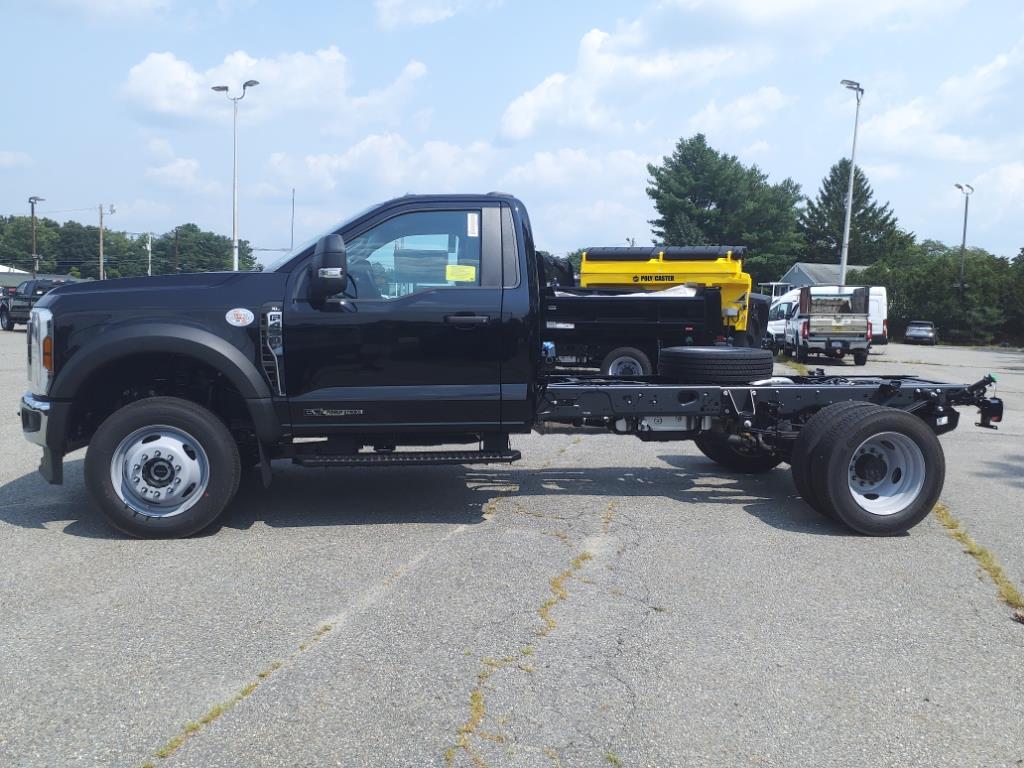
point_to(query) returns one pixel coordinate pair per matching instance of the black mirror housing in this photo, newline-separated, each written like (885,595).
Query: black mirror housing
(328,269)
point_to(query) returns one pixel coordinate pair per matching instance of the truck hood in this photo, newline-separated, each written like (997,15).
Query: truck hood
(180,293)
(161,282)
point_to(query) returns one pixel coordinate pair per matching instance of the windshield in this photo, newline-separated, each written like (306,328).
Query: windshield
(278,262)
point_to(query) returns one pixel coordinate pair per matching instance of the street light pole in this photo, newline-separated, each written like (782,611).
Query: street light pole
(234,165)
(856,88)
(966,189)
(35,256)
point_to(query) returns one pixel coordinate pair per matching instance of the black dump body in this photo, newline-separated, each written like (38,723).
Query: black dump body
(589,323)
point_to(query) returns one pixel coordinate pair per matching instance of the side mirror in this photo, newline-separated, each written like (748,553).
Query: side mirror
(328,269)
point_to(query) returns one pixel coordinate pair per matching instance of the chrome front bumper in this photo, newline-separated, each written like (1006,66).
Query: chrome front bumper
(34,416)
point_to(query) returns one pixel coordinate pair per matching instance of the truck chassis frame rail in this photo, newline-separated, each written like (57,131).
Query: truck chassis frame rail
(863,449)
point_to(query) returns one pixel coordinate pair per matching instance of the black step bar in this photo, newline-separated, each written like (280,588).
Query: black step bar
(408,458)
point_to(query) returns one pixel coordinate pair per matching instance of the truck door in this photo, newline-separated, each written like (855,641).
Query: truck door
(414,342)
(21,301)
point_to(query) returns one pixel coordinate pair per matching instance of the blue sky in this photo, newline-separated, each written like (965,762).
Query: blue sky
(560,103)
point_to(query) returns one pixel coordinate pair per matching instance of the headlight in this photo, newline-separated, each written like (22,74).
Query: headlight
(40,351)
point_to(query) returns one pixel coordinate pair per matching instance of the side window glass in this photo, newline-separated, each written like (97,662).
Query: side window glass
(23,289)
(414,252)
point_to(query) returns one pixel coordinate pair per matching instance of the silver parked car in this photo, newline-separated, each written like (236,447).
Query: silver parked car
(921,332)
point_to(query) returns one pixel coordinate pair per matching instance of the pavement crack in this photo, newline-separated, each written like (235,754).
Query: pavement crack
(369,597)
(489,666)
(986,560)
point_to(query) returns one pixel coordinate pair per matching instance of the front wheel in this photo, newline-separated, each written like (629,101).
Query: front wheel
(860,357)
(162,468)
(5,320)
(735,457)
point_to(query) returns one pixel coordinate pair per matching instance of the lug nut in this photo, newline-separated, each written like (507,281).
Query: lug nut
(145,457)
(177,468)
(136,468)
(156,454)
(177,481)
(135,480)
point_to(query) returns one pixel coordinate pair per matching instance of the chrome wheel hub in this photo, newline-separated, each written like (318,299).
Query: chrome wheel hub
(625,366)
(886,473)
(159,471)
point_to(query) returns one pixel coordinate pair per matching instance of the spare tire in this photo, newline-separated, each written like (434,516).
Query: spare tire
(715,365)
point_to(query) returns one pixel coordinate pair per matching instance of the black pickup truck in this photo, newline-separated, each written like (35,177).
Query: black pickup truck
(16,307)
(412,334)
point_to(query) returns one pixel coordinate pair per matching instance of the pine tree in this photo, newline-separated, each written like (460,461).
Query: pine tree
(703,196)
(874,229)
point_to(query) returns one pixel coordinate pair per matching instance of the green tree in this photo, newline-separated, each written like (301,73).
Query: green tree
(16,243)
(703,196)
(923,284)
(874,229)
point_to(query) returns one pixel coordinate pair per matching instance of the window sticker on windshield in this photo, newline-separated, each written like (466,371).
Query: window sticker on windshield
(460,273)
(473,225)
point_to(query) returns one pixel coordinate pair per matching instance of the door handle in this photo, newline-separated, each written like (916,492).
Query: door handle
(467,321)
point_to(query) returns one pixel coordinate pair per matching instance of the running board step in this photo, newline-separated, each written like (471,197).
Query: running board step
(409,458)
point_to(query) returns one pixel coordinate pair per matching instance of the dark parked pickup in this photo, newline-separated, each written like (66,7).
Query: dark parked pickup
(16,306)
(413,327)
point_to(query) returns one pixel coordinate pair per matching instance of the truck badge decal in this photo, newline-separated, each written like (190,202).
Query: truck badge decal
(653,278)
(333,412)
(239,317)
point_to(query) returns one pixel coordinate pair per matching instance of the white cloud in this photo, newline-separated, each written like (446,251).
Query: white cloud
(116,7)
(759,147)
(580,170)
(178,172)
(389,164)
(810,12)
(608,63)
(927,126)
(291,82)
(396,13)
(9,159)
(742,115)
(1002,190)
(882,171)
(393,13)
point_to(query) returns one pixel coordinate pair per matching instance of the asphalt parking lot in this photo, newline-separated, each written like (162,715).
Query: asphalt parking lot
(603,602)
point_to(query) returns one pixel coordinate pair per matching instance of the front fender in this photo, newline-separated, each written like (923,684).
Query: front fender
(176,339)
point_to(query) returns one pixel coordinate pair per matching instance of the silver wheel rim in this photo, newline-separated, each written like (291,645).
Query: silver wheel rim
(886,473)
(159,471)
(625,366)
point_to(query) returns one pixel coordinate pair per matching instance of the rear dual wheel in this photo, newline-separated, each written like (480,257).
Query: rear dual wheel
(877,470)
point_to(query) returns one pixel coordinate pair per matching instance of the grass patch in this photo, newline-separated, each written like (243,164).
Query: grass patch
(1008,592)
(612,759)
(800,368)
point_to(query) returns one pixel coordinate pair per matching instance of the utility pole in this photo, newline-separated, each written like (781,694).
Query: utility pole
(176,269)
(856,88)
(35,256)
(101,241)
(149,254)
(111,212)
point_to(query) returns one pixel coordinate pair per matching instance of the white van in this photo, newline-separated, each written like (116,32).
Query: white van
(878,313)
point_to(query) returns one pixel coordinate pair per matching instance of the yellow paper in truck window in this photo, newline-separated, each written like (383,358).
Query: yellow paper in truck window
(460,273)
(472,224)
